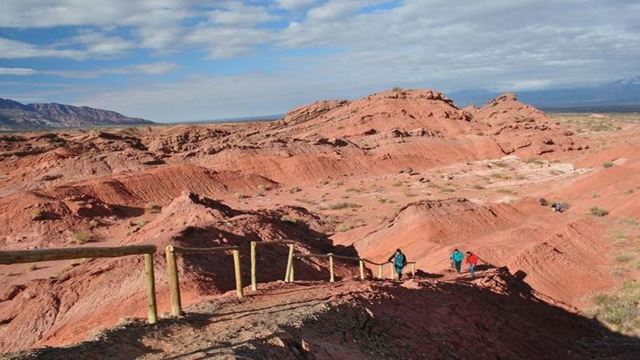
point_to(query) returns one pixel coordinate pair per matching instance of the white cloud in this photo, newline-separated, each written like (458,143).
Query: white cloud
(17,71)
(139,69)
(11,49)
(295,4)
(334,10)
(100,44)
(238,14)
(505,44)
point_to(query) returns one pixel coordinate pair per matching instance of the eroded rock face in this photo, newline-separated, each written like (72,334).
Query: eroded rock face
(521,128)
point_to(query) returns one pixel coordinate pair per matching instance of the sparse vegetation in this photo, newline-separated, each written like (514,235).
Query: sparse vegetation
(80,237)
(294,189)
(356,190)
(596,211)
(38,214)
(478,187)
(344,227)
(620,311)
(153,208)
(384,200)
(629,221)
(624,258)
(240,195)
(556,172)
(398,183)
(501,163)
(343,205)
(396,89)
(534,161)
(290,219)
(33,267)
(608,164)
(93,223)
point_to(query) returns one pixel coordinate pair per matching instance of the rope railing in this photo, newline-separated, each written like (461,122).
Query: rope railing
(254,245)
(39,255)
(172,271)
(361,262)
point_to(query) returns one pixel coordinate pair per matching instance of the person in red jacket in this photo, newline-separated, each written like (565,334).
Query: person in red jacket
(472,261)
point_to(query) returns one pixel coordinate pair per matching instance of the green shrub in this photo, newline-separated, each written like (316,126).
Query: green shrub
(152,208)
(396,89)
(344,227)
(240,195)
(608,164)
(38,214)
(289,219)
(629,221)
(596,211)
(343,205)
(80,237)
(620,310)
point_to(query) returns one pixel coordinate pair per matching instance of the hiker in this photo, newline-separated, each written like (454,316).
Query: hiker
(456,258)
(399,261)
(472,261)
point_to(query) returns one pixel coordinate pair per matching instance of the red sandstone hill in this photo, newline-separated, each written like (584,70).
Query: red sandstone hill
(395,169)
(88,295)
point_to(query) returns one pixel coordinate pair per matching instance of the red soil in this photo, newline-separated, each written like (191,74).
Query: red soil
(396,169)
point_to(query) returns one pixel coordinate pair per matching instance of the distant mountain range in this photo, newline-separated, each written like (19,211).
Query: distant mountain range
(18,116)
(620,95)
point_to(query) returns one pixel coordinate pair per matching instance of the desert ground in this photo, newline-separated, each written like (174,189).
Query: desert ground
(398,169)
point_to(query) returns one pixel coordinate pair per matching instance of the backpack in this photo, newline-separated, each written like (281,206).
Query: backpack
(399,260)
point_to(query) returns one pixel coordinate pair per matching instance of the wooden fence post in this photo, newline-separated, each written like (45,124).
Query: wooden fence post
(331,277)
(413,270)
(293,267)
(379,271)
(236,268)
(151,288)
(253,266)
(287,274)
(174,282)
(361,269)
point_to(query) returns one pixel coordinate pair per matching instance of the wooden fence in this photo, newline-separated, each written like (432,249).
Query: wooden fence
(29,256)
(172,271)
(288,276)
(361,261)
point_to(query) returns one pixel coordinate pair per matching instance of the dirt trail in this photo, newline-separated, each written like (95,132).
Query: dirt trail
(495,316)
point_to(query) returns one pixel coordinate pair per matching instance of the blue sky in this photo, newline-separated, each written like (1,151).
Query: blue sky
(184,60)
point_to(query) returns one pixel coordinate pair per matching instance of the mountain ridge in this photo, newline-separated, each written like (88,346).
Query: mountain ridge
(17,116)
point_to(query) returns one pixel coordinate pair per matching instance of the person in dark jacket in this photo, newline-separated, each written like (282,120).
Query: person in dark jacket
(399,261)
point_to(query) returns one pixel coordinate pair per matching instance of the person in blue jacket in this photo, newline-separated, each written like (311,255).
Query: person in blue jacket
(399,262)
(456,258)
